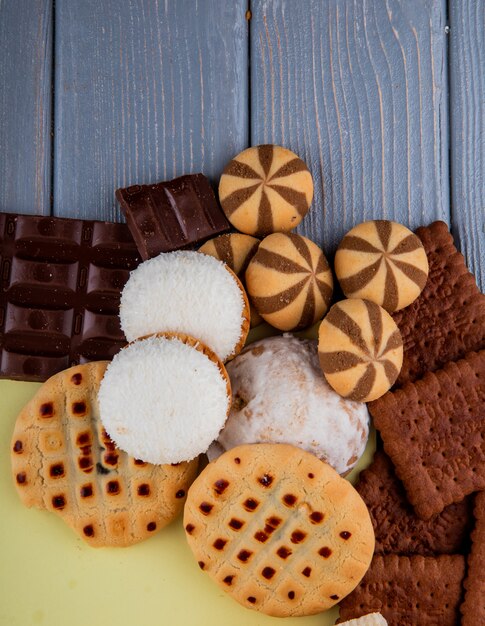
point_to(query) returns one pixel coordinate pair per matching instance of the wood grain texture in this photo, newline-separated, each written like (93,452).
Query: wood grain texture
(359,90)
(145,90)
(25,105)
(467,116)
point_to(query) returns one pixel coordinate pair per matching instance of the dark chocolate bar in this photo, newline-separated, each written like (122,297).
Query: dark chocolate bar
(60,286)
(171,215)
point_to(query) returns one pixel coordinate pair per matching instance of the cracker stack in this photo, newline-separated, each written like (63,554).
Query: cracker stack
(420,489)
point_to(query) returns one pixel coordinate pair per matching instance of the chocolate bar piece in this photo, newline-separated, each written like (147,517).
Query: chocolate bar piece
(171,215)
(60,286)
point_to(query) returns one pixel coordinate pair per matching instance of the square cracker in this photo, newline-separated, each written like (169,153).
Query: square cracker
(473,608)
(410,590)
(397,528)
(434,432)
(448,319)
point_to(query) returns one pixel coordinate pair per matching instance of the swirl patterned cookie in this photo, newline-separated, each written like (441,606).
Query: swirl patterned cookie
(235,250)
(360,349)
(265,189)
(384,262)
(289,281)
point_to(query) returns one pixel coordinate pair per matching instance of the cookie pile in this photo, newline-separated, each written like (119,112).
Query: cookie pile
(111,446)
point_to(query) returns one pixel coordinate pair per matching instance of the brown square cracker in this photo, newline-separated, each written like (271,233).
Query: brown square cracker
(448,319)
(473,608)
(433,431)
(416,590)
(397,528)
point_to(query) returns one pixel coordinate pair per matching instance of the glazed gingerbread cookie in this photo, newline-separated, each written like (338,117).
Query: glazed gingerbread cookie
(289,281)
(265,189)
(278,529)
(280,396)
(360,349)
(64,461)
(384,262)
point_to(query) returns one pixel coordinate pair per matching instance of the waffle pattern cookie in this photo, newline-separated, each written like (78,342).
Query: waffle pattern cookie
(433,432)
(448,319)
(473,608)
(278,529)
(397,527)
(408,591)
(360,349)
(265,189)
(289,281)
(63,461)
(382,261)
(235,250)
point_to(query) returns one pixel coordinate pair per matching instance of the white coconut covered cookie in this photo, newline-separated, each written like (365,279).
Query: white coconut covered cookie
(280,396)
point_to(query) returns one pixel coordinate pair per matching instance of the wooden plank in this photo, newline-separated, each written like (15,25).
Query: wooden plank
(145,90)
(359,90)
(25,105)
(467,116)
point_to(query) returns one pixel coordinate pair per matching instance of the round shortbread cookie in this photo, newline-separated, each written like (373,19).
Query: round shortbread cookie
(278,529)
(64,461)
(165,398)
(280,396)
(384,262)
(289,281)
(360,349)
(187,292)
(265,189)
(235,250)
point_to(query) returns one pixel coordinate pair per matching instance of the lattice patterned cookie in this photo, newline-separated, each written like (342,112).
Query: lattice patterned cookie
(382,261)
(265,189)
(63,461)
(278,529)
(360,349)
(289,281)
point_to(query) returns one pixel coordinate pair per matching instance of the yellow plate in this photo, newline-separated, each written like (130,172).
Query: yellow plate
(50,577)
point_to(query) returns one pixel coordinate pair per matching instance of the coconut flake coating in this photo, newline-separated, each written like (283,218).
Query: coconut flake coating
(185,292)
(163,401)
(279,395)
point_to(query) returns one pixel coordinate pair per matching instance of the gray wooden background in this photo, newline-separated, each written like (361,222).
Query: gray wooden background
(384,99)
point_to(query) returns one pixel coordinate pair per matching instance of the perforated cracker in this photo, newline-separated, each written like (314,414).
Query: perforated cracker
(473,608)
(448,319)
(63,461)
(417,590)
(278,529)
(397,528)
(434,432)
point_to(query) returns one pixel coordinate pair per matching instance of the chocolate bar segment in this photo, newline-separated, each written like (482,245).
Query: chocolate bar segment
(60,286)
(171,215)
